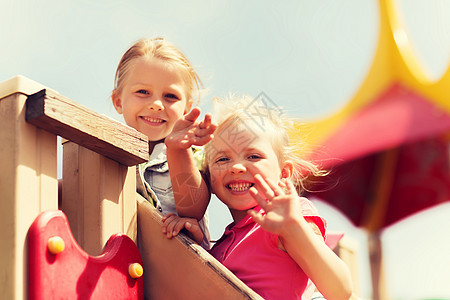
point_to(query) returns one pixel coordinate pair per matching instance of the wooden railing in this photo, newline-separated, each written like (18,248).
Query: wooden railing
(97,192)
(99,155)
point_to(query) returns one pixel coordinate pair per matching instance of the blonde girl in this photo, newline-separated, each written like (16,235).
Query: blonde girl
(276,242)
(154,88)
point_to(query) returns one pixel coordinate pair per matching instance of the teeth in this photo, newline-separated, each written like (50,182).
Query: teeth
(239,187)
(153,120)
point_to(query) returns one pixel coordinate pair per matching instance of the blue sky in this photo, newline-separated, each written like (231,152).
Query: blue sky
(307,56)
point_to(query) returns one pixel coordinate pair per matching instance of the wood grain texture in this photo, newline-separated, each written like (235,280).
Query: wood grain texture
(98,197)
(28,186)
(70,120)
(179,268)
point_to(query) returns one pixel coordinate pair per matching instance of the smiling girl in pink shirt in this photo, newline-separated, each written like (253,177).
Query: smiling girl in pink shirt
(276,241)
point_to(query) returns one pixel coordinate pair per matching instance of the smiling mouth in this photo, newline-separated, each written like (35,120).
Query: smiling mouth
(153,120)
(240,187)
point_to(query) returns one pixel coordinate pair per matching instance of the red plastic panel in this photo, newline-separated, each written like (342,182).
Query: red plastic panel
(72,273)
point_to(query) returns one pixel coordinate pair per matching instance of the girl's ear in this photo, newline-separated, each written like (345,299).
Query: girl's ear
(117,102)
(287,170)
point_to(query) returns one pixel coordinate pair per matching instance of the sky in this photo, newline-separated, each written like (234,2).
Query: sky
(307,56)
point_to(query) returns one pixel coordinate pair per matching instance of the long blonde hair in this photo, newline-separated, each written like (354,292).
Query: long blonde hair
(161,49)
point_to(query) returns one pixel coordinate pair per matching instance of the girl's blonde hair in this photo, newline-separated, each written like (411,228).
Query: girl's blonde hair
(273,122)
(161,49)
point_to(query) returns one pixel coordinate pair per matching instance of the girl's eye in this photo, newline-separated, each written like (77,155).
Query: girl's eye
(254,156)
(222,159)
(172,97)
(144,92)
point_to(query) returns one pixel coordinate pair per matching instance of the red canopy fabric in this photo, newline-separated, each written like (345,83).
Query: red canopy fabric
(417,177)
(397,117)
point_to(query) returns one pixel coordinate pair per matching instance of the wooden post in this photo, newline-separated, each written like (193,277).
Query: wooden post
(99,173)
(31,117)
(376,266)
(98,197)
(28,181)
(347,249)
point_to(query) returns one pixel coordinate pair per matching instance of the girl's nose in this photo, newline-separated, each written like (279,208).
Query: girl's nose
(155,105)
(237,168)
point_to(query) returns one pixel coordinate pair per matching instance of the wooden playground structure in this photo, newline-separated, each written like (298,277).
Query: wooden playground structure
(98,196)
(90,235)
(95,201)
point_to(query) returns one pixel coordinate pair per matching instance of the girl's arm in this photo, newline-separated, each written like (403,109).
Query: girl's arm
(328,272)
(189,188)
(308,249)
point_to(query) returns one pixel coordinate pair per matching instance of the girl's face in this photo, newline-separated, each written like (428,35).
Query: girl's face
(153,97)
(239,151)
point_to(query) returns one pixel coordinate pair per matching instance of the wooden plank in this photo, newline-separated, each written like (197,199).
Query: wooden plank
(98,197)
(70,120)
(28,186)
(179,268)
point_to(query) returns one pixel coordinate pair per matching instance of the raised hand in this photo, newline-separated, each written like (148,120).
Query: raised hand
(188,131)
(173,224)
(300,239)
(281,204)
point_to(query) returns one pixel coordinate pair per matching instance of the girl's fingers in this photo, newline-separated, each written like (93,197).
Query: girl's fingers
(268,188)
(206,121)
(181,223)
(170,227)
(264,187)
(192,115)
(256,216)
(199,132)
(290,188)
(205,127)
(275,187)
(166,216)
(201,141)
(256,195)
(167,219)
(173,225)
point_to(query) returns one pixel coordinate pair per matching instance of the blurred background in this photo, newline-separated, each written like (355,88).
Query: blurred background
(309,57)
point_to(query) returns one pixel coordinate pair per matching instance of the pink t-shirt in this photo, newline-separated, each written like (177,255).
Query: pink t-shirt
(252,254)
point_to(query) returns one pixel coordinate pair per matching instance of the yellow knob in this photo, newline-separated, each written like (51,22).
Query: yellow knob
(55,245)
(135,270)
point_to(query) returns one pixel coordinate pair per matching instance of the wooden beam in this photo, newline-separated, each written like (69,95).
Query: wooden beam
(61,116)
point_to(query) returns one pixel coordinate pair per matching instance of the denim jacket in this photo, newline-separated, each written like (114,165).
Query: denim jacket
(155,178)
